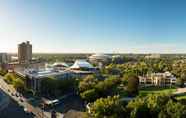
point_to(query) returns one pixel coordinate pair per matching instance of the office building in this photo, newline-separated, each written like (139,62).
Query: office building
(3,58)
(25,52)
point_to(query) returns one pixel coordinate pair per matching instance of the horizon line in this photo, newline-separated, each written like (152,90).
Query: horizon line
(97,53)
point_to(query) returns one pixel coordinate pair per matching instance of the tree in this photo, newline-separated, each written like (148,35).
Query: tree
(19,85)
(109,107)
(138,108)
(105,88)
(173,110)
(89,95)
(112,70)
(133,84)
(180,82)
(155,102)
(87,83)
(149,106)
(10,78)
(3,72)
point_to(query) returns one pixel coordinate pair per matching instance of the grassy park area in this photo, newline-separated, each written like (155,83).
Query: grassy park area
(181,97)
(155,90)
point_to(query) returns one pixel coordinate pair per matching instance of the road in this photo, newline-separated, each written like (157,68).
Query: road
(9,89)
(180,91)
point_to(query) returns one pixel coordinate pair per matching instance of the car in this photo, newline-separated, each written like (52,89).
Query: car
(88,107)
(17,95)
(12,94)
(25,109)
(21,99)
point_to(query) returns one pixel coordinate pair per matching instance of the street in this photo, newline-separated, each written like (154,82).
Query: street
(9,90)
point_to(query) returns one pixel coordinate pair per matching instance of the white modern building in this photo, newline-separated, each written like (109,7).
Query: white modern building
(153,56)
(158,79)
(82,65)
(35,76)
(82,68)
(57,66)
(100,58)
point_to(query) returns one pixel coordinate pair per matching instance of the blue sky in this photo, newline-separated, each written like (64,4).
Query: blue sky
(110,26)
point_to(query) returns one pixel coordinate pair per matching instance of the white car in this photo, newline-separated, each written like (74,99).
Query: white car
(88,107)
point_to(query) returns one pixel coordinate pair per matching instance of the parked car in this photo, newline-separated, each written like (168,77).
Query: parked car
(13,94)
(17,95)
(21,99)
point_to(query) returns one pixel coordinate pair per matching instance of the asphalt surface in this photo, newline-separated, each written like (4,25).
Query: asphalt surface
(13,110)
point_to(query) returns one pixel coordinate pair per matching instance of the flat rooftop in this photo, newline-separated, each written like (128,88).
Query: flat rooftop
(42,73)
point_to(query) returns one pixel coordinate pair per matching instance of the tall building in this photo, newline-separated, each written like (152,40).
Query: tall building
(3,58)
(25,52)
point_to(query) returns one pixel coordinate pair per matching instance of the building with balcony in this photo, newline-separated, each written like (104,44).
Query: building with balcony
(157,79)
(24,53)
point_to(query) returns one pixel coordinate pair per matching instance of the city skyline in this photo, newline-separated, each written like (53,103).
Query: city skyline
(94,26)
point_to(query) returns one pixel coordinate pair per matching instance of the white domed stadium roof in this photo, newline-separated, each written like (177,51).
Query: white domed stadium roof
(81,64)
(61,64)
(99,56)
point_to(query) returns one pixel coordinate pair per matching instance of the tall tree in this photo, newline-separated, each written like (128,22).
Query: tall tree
(133,84)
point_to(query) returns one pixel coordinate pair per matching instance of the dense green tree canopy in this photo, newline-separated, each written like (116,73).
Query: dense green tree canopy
(87,83)
(19,85)
(89,95)
(156,105)
(109,107)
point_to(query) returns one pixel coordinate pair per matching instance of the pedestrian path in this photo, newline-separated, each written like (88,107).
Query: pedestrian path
(180,91)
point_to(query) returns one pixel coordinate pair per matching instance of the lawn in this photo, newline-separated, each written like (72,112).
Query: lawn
(155,90)
(181,97)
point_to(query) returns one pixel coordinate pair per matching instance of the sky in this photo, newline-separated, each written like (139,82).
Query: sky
(94,26)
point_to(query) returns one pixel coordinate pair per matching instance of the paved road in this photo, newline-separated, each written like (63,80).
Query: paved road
(13,110)
(180,91)
(4,100)
(8,89)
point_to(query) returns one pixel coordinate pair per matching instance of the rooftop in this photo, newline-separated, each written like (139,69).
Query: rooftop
(81,64)
(43,72)
(100,56)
